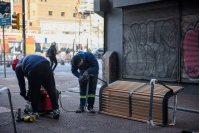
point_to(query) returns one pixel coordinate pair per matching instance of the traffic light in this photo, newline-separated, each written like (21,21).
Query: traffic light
(16,21)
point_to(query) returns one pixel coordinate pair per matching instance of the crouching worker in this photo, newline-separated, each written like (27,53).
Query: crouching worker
(87,64)
(38,72)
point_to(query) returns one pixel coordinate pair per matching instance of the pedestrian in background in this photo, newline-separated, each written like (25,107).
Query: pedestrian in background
(67,52)
(52,56)
(12,51)
(87,64)
(38,72)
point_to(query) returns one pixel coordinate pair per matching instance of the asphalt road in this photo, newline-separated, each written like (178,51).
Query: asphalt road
(59,68)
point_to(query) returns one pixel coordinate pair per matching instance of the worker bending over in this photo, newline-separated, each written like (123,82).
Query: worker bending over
(38,72)
(87,64)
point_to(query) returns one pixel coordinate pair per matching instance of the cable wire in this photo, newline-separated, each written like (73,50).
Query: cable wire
(62,106)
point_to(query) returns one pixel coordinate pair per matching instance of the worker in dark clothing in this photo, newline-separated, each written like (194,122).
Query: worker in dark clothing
(87,64)
(52,56)
(38,72)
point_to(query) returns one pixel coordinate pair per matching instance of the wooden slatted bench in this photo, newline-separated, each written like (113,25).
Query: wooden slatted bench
(131,100)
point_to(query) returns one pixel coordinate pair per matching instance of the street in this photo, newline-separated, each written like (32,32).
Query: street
(59,68)
(64,70)
(68,86)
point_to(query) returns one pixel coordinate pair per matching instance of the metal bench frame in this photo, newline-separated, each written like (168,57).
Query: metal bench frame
(164,103)
(5,90)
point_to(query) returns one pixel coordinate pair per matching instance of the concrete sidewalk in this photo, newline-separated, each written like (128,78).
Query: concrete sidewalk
(71,122)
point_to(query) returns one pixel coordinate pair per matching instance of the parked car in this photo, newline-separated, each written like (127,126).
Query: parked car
(98,53)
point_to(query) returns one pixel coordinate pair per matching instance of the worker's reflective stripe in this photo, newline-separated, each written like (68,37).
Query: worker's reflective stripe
(91,95)
(82,96)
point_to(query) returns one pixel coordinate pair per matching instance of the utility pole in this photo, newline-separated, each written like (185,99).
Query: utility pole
(4,54)
(79,19)
(75,29)
(23,29)
(79,33)
(98,33)
(90,31)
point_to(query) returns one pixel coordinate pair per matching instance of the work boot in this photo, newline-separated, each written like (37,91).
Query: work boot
(80,110)
(35,115)
(91,110)
(56,114)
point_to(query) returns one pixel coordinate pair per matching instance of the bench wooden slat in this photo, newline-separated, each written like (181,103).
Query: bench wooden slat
(115,101)
(115,105)
(145,110)
(144,94)
(115,90)
(131,118)
(115,111)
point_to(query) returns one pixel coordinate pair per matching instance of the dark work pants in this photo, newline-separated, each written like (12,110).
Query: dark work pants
(53,61)
(91,92)
(42,75)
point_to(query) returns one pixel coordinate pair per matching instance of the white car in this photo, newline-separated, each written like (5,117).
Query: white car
(98,53)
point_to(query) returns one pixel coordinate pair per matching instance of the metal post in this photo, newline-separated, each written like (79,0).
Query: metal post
(4,54)
(23,30)
(150,121)
(151,102)
(75,29)
(73,46)
(82,22)
(91,44)
(79,32)
(87,90)
(87,45)
(11,107)
(90,30)
(175,109)
(98,33)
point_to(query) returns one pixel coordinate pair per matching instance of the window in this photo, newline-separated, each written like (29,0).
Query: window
(63,14)
(85,16)
(50,13)
(45,0)
(30,23)
(15,1)
(37,47)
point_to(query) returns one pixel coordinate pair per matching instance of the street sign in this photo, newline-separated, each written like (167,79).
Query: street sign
(5,19)
(4,7)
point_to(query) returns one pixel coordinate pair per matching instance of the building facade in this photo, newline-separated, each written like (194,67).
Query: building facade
(153,39)
(71,24)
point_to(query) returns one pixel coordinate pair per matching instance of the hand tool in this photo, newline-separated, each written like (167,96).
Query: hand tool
(25,118)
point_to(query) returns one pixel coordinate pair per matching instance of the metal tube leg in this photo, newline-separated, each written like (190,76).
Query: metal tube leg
(11,108)
(87,89)
(150,121)
(175,109)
